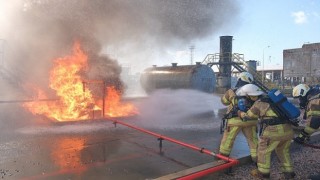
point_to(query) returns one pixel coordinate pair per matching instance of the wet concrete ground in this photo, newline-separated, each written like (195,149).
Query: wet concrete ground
(31,147)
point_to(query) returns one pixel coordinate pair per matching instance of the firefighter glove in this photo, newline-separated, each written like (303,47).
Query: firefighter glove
(299,140)
(302,138)
(239,115)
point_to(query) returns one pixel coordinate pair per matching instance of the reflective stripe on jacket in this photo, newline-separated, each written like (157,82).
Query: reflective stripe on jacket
(260,110)
(313,108)
(229,99)
(263,111)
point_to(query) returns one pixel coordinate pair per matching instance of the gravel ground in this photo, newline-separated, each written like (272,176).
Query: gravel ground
(306,161)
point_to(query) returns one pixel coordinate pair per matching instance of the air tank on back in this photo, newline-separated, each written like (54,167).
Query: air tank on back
(199,77)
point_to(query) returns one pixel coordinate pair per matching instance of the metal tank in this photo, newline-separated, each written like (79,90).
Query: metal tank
(198,77)
(252,66)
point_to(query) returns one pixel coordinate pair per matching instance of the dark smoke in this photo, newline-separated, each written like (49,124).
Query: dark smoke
(38,31)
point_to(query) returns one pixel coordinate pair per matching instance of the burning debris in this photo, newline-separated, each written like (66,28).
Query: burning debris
(75,100)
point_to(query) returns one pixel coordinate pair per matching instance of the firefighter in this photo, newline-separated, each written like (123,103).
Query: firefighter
(234,124)
(309,100)
(275,134)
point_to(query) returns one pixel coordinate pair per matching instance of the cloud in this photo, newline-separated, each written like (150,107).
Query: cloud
(299,17)
(316,14)
(181,54)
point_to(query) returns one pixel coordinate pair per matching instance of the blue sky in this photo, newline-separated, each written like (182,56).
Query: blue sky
(280,24)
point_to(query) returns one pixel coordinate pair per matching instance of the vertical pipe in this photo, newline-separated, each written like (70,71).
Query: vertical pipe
(225,61)
(103,98)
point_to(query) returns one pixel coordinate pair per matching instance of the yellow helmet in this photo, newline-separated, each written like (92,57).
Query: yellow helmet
(246,77)
(300,90)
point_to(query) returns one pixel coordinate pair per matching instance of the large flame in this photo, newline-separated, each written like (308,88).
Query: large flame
(74,101)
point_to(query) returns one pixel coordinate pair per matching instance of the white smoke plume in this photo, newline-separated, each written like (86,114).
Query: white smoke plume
(167,108)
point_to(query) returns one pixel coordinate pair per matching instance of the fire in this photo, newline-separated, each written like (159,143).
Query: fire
(114,108)
(74,101)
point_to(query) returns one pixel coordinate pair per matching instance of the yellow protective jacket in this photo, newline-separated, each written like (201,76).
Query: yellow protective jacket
(313,106)
(230,99)
(313,114)
(263,111)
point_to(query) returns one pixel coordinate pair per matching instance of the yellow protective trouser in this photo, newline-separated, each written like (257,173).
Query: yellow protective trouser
(229,136)
(281,147)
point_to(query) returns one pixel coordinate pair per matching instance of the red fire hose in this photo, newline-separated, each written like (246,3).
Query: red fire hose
(230,161)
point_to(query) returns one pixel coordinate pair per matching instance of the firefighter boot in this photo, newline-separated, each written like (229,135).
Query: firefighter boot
(229,170)
(258,175)
(254,161)
(289,175)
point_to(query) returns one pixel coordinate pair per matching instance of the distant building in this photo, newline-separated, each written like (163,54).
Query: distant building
(302,64)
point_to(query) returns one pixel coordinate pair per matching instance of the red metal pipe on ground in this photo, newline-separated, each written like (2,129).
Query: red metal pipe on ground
(209,171)
(230,161)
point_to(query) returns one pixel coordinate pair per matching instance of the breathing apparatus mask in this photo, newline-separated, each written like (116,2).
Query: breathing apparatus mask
(303,102)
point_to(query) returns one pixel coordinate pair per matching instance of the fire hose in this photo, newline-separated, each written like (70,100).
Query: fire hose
(311,145)
(308,145)
(230,162)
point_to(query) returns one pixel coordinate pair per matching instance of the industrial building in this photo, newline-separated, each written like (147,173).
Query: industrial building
(302,64)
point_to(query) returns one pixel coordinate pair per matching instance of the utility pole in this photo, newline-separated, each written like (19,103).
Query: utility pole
(263,75)
(192,47)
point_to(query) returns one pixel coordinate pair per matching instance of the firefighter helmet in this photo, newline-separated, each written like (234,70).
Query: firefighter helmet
(249,90)
(300,90)
(246,77)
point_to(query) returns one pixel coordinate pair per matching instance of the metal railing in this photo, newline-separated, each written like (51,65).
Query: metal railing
(238,62)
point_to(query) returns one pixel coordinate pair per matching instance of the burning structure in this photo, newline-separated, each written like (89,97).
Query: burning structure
(77,100)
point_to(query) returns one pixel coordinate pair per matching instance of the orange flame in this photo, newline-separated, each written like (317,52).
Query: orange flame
(74,102)
(116,109)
